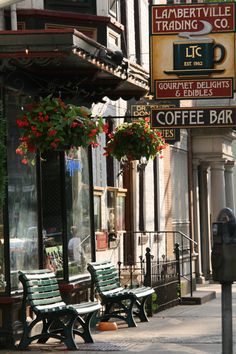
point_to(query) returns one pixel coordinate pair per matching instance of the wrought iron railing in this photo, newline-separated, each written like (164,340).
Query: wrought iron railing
(161,264)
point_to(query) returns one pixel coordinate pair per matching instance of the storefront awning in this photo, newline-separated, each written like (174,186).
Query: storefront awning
(66,60)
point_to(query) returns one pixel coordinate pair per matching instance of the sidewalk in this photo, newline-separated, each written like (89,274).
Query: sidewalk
(193,329)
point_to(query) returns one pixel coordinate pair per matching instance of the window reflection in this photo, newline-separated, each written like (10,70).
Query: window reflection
(78,210)
(97,212)
(22,202)
(2,267)
(52,213)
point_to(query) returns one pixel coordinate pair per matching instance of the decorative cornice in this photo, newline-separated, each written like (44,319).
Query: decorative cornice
(85,66)
(71,16)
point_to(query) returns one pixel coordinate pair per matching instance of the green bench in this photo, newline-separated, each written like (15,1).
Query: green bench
(60,321)
(119,302)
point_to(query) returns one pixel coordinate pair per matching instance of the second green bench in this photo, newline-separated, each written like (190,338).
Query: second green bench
(118,302)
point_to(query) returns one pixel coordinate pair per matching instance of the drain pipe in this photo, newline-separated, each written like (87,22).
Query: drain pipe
(13,17)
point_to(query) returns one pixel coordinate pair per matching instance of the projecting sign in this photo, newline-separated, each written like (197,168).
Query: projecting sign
(194,117)
(191,42)
(179,18)
(143,109)
(194,88)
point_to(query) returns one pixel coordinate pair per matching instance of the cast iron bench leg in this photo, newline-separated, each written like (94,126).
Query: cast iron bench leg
(127,309)
(141,313)
(85,324)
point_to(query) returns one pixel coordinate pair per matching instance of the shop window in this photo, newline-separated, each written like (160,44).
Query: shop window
(120,210)
(78,211)
(22,201)
(77,206)
(115,213)
(80,6)
(111,209)
(98,208)
(114,8)
(51,211)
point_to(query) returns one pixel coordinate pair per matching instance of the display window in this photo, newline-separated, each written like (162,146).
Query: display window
(22,202)
(78,211)
(49,210)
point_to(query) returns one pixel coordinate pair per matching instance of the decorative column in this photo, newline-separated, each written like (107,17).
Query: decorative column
(204,217)
(229,185)
(196,221)
(217,188)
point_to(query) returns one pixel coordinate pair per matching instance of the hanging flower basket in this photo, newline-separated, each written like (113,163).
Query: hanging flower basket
(135,140)
(51,125)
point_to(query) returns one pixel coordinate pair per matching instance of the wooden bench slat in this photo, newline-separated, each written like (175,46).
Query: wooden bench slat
(39,276)
(48,281)
(41,301)
(43,295)
(113,280)
(56,306)
(106,282)
(44,288)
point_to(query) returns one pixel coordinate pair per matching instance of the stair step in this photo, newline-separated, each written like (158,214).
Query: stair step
(198,298)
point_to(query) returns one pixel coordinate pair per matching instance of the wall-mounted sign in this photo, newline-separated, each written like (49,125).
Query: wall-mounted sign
(194,88)
(194,42)
(101,241)
(144,109)
(194,117)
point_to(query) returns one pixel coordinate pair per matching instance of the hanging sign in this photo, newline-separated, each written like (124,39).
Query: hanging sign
(189,18)
(193,42)
(194,88)
(194,117)
(144,108)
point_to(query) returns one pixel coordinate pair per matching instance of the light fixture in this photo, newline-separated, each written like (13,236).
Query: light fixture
(142,163)
(124,164)
(115,57)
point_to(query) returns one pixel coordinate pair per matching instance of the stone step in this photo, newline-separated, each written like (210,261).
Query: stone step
(198,297)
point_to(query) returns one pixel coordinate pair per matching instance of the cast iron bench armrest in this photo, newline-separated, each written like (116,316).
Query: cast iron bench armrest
(119,302)
(60,321)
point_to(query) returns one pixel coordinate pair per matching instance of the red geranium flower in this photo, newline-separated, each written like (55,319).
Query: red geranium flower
(135,140)
(51,124)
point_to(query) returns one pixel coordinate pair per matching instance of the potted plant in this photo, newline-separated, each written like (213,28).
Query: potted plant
(135,140)
(50,124)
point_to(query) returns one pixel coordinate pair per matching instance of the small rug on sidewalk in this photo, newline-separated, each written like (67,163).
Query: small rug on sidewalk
(98,347)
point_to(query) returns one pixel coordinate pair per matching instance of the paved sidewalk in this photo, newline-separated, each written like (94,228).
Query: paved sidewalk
(193,329)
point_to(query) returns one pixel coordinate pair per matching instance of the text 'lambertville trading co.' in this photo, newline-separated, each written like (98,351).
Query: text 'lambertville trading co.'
(194,117)
(173,19)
